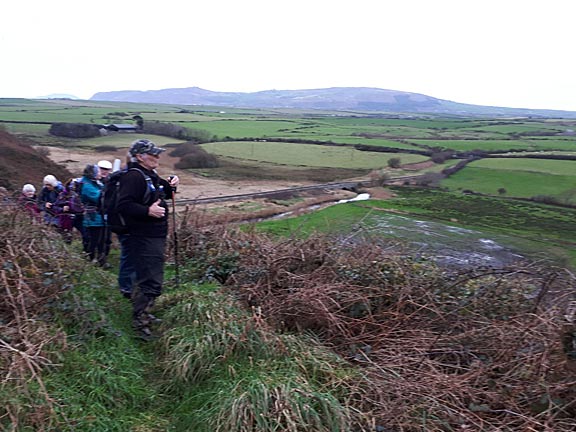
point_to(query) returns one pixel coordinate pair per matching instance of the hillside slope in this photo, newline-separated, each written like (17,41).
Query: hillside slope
(20,163)
(336,98)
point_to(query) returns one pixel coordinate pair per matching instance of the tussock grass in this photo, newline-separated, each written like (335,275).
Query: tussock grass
(202,330)
(246,376)
(262,405)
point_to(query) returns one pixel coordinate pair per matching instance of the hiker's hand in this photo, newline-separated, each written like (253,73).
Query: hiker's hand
(156,211)
(48,205)
(174,181)
(66,209)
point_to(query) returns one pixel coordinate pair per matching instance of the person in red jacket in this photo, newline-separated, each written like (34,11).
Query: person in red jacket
(146,216)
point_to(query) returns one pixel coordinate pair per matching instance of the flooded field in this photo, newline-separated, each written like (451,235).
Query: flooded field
(446,244)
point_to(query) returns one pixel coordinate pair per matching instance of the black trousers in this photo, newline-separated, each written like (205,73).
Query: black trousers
(146,256)
(96,244)
(79,225)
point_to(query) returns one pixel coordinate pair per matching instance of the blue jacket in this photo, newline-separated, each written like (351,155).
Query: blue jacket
(90,196)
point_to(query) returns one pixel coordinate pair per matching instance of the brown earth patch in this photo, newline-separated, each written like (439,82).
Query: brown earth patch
(20,163)
(418,166)
(380,193)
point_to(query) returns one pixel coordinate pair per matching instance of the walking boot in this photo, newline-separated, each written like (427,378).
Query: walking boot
(140,320)
(103,262)
(152,318)
(141,325)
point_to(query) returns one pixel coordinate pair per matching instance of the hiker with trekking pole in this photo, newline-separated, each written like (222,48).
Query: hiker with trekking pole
(143,210)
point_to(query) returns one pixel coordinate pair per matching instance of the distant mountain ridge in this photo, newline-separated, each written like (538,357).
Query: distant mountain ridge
(332,99)
(57,96)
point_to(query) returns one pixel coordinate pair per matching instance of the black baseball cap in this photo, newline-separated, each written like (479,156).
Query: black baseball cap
(143,146)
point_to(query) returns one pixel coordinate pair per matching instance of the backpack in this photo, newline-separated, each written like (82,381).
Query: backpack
(69,197)
(76,185)
(109,200)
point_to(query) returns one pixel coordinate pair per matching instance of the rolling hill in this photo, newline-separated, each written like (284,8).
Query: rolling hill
(336,98)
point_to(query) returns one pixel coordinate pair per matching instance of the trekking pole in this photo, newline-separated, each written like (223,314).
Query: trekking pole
(175,237)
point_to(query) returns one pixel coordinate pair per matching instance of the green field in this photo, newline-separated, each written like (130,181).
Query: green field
(524,219)
(499,144)
(559,167)
(417,123)
(522,178)
(245,128)
(262,123)
(307,154)
(534,229)
(38,130)
(122,140)
(374,142)
(524,127)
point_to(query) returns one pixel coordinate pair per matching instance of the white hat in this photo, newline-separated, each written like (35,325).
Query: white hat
(28,188)
(105,164)
(50,180)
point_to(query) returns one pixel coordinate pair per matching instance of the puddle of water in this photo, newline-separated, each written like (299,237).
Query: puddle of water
(359,197)
(445,244)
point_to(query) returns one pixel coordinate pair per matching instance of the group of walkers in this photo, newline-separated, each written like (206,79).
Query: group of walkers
(73,205)
(141,202)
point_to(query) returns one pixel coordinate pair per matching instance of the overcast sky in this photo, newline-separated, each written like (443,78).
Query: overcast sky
(511,53)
